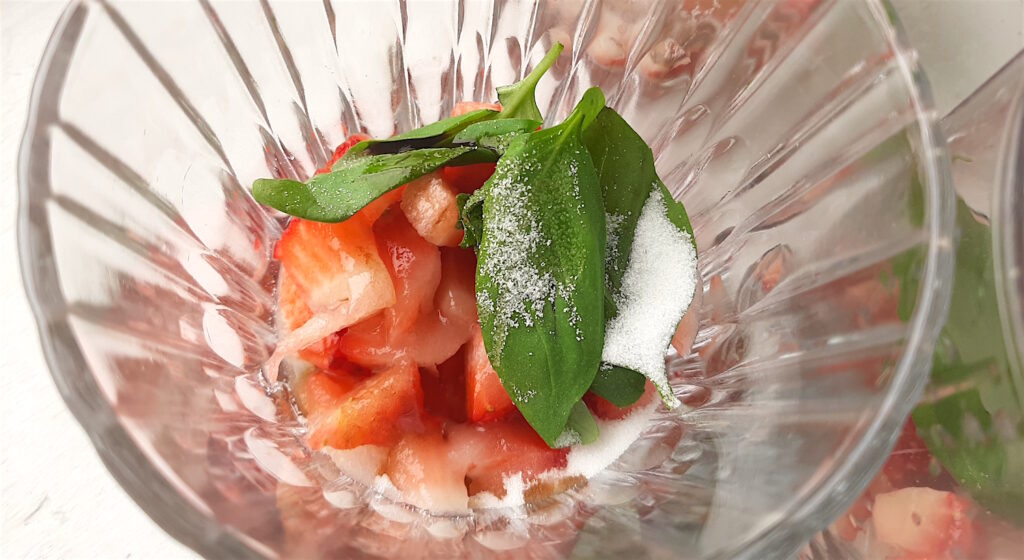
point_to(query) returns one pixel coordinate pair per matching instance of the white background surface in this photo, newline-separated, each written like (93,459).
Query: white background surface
(57,500)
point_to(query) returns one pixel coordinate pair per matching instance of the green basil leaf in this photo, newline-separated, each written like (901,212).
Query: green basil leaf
(540,273)
(618,385)
(625,167)
(518,101)
(471,217)
(352,184)
(438,134)
(590,106)
(677,214)
(975,385)
(495,135)
(580,428)
(627,175)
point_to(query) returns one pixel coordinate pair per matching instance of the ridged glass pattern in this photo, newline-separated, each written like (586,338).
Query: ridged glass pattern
(797,132)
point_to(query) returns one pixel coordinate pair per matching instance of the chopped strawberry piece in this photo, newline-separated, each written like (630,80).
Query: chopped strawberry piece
(909,464)
(378,410)
(496,450)
(854,521)
(486,398)
(293,313)
(468,178)
(367,344)
(463,107)
(435,337)
(374,210)
(341,149)
(291,304)
(686,330)
(322,393)
(419,466)
(923,521)
(415,268)
(340,367)
(439,335)
(456,295)
(335,263)
(605,410)
(429,203)
(444,388)
(340,275)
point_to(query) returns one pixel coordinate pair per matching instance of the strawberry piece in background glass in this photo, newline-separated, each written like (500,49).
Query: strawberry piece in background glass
(149,266)
(953,486)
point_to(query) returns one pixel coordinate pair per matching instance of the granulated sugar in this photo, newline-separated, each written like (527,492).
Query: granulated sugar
(514,240)
(615,437)
(657,289)
(584,460)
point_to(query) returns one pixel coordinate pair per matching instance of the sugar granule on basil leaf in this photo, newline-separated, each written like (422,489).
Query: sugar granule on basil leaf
(540,272)
(625,169)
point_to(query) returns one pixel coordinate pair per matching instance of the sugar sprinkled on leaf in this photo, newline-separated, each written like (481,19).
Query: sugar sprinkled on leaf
(523,288)
(657,289)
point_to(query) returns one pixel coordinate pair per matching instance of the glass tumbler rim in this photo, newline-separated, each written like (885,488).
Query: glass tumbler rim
(910,376)
(1008,226)
(185,519)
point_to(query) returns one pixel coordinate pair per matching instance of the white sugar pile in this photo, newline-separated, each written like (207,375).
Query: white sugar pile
(657,289)
(615,437)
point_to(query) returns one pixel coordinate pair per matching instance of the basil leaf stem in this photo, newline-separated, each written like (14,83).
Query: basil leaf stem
(518,101)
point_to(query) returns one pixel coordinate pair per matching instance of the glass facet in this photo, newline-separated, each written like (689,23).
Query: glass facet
(966,436)
(798,133)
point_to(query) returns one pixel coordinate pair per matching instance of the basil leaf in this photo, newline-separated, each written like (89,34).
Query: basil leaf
(676,213)
(540,273)
(495,135)
(438,134)
(625,167)
(618,385)
(518,101)
(978,385)
(471,217)
(627,175)
(356,182)
(580,428)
